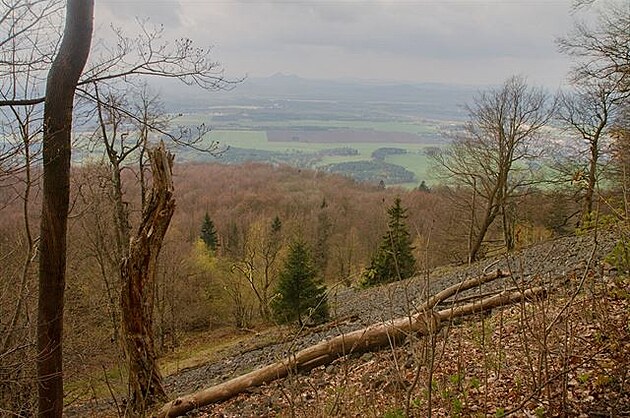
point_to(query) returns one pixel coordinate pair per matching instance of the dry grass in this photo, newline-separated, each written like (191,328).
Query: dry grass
(201,348)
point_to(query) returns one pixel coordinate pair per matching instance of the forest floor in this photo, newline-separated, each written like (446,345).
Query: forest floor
(566,355)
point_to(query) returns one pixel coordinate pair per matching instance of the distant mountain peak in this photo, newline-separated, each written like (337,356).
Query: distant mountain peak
(283,76)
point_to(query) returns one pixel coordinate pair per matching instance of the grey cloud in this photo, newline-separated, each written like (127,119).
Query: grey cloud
(437,31)
(463,31)
(166,12)
(335,38)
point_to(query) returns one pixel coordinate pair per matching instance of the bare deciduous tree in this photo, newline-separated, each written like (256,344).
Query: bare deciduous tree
(60,88)
(258,265)
(601,76)
(602,51)
(490,157)
(588,112)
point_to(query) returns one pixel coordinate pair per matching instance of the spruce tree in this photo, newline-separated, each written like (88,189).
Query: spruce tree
(209,233)
(394,259)
(300,297)
(276,225)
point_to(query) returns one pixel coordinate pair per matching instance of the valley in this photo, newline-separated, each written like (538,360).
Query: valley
(305,123)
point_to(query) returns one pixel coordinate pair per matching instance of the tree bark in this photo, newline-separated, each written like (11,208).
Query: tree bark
(60,88)
(489,216)
(592,172)
(138,274)
(372,338)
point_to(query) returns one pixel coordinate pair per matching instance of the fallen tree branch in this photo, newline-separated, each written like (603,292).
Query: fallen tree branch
(467,299)
(371,338)
(461,287)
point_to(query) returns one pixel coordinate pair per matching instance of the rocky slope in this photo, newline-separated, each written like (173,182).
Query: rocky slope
(551,263)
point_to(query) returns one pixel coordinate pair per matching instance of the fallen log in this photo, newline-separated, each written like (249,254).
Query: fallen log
(462,286)
(371,338)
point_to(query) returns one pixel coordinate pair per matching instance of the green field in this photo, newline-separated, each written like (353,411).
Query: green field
(415,160)
(246,132)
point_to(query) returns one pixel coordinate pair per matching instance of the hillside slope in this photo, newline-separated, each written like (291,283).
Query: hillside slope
(542,349)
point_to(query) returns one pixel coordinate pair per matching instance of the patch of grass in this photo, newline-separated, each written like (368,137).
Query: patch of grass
(96,385)
(200,350)
(456,407)
(394,413)
(415,161)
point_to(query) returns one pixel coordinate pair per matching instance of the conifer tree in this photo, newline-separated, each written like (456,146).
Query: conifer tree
(209,233)
(276,225)
(394,259)
(300,297)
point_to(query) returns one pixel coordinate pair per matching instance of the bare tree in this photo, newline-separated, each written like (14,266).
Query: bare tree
(602,51)
(62,81)
(94,193)
(601,76)
(259,263)
(588,112)
(490,157)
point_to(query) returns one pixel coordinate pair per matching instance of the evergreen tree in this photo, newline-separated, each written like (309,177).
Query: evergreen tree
(394,259)
(300,297)
(209,233)
(276,225)
(423,187)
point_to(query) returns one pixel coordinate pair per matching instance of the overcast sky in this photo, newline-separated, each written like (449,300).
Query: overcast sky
(452,41)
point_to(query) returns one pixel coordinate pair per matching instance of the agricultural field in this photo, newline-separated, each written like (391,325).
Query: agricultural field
(308,123)
(254,145)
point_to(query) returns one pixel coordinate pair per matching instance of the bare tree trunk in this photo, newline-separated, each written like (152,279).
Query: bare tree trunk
(473,218)
(28,235)
(507,211)
(62,81)
(374,337)
(138,272)
(489,216)
(591,181)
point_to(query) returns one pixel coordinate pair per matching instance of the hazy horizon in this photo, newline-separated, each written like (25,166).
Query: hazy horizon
(468,42)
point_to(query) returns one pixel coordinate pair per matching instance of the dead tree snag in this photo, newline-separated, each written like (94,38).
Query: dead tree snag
(138,274)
